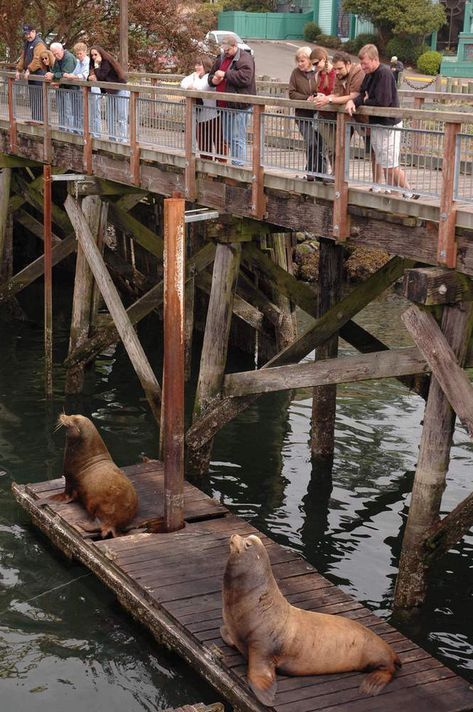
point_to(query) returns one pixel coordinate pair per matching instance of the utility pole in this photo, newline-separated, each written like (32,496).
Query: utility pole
(123,58)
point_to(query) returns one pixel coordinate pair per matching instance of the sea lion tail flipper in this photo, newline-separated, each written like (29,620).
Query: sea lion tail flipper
(262,677)
(376,681)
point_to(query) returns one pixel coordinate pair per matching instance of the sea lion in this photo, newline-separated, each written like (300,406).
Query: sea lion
(274,635)
(94,479)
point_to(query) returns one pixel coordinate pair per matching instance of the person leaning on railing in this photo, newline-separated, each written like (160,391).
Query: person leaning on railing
(30,64)
(234,72)
(325,82)
(65,62)
(379,89)
(208,125)
(303,87)
(80,72)
(105,68)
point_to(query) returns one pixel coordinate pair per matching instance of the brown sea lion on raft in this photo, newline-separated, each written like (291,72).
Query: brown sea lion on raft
(94,479)
(274,635)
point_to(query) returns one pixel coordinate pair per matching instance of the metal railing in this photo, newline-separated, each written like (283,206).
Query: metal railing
(271,135)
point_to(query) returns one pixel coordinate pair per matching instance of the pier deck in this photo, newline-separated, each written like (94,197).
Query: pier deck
(171,583)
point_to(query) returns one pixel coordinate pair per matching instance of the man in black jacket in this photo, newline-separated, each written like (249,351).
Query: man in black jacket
(234,72)
(379,89)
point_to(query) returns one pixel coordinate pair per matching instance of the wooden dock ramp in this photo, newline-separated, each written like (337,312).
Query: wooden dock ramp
(171,583)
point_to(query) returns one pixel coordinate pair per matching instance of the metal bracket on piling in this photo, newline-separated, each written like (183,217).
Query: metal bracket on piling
(200,214)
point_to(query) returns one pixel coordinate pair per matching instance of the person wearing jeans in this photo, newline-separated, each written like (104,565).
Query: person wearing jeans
(104,68)
(234,72)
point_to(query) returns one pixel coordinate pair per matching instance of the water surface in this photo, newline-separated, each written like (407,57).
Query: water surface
(66,643)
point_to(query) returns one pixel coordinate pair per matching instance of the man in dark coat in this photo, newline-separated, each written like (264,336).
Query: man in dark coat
(234,72)
(30,63)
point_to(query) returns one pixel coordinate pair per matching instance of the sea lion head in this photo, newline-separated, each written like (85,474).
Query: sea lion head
(248,561)
(83,440)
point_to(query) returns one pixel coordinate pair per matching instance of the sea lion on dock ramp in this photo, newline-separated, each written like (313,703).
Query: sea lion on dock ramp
(274,635)
(94,479)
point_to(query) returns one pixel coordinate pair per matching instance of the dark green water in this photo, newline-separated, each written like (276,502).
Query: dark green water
(66,644)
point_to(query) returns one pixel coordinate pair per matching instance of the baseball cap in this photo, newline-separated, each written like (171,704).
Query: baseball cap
(27,28)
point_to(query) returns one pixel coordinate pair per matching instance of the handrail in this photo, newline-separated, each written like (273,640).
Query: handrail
(277,138)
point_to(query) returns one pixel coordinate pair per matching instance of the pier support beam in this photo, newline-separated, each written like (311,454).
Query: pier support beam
(83,299)
(434,452)
(324,398)
(215,346)
(110,295)
(5,183)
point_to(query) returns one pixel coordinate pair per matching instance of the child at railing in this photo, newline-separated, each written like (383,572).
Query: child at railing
(208,125)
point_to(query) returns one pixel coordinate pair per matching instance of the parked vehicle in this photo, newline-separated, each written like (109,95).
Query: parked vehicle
(213,38)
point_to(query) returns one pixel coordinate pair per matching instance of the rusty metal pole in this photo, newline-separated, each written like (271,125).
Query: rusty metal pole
(48,286)
(172,420)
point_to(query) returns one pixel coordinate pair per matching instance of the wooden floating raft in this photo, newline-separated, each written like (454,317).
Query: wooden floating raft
(171,583)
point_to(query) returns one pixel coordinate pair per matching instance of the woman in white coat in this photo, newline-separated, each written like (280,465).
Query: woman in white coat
(208,125)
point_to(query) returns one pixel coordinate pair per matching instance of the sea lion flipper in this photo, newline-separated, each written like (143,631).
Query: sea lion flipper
(226,636)
(262,677)
(375,681)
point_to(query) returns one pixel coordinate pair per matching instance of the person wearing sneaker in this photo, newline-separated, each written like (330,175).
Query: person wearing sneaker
(379,89)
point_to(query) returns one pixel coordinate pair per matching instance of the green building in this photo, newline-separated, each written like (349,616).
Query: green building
(288,23)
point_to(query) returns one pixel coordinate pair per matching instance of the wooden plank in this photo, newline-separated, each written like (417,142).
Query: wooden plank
(323,328)
(442,360)
(344,369)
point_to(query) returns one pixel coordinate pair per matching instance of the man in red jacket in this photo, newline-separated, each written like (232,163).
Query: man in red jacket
(234,72)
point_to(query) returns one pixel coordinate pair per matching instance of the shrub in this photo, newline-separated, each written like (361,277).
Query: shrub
(429,62)
(407,49)
(311,32)
(329,41)
(354,46)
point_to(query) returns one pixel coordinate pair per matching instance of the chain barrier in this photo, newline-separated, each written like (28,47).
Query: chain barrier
(416,86)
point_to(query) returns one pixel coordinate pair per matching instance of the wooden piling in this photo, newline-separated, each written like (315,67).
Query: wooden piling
(173,369)
(109,292)
(215,346)
(434,455)
(82,298)
(48,282)
(322,440)
(5,183)
(286,329)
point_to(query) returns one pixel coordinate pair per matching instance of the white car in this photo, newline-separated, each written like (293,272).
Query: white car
(214,37)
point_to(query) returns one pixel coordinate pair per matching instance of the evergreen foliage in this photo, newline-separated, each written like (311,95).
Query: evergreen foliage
(429,62)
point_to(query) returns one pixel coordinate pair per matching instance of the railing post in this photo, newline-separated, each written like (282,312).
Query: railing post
(341,225)
(47,148)
(11,116)
(258,201)
(134,147)
(447,246)
(172,416)
(87,156)
(189,173)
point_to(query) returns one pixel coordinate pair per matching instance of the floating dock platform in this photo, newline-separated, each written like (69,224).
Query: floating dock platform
(171,583)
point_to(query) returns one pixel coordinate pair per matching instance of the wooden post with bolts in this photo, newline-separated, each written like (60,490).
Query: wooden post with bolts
(172,421)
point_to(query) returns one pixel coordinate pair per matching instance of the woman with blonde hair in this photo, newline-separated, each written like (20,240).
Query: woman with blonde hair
(325,85)
(303,87)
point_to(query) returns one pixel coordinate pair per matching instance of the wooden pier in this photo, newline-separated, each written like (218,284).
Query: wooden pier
(171,583)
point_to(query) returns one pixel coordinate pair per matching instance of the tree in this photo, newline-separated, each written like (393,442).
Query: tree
(156,26)
(413,18)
